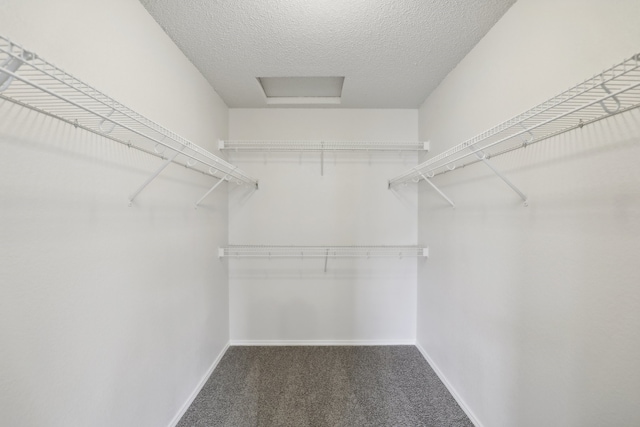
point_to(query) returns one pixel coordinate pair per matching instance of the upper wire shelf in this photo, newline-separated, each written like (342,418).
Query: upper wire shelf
(30,81)
(326,252)
(264,251)
(613,91)
(298,146)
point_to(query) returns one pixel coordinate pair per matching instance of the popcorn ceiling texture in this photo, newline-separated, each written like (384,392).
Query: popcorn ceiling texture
(393,53)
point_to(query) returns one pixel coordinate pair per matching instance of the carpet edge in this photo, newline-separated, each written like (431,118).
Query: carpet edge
(467,410)
(320,342)
(183,409)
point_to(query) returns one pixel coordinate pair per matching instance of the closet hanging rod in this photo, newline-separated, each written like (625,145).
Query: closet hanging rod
(28,80)
(301,145)
(614,91)
(265,251)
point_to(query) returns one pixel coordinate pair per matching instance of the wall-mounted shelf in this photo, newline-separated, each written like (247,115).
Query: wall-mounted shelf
(613,91)
(301,146)
(264,251)
(30,81)
(319,146)
(326,252)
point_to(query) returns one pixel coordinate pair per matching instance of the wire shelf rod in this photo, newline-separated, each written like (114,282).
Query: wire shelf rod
(611,92)
(106,118)
(531,128)
(111,137)
(259,251)
(56,95)
(319,145)
(39,84)
(563,130)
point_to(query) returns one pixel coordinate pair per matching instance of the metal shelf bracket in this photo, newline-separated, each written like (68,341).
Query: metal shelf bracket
(482,156)
(614,97)
(223,179)
(11,63)
(444,196)
(166,163)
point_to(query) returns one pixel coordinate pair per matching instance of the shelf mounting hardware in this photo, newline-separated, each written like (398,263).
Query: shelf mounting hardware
(110,127)
(483,156)
(444,196)
(614,97)
(326,260)
(322,159)
(224,178)
(532,136)
(166,163)
(11,63)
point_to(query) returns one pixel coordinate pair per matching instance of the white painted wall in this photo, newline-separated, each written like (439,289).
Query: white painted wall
(531,313)
(293,299)
(109,315)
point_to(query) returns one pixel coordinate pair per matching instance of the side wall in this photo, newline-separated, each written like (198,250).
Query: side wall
(355,300)
(531,313)
(109,315)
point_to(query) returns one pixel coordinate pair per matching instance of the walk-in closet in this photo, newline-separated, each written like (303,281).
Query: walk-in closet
(319,213)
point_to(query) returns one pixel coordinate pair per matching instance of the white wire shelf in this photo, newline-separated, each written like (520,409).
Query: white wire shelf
(30,81)
(611,92)
(264,251)
(316,146)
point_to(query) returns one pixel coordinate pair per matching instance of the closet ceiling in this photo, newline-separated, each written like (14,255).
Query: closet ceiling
(392,53)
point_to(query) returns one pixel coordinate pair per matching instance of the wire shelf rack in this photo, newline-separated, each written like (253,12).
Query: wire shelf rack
(264,251)
(611,92)
(30,81)
(316,146)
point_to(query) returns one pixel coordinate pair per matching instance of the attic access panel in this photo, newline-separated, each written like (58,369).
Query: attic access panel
(302,90)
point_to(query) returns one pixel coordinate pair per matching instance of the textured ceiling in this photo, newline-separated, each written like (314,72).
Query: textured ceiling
(392,53)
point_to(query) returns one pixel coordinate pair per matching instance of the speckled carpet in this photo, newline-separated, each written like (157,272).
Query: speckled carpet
(324,386)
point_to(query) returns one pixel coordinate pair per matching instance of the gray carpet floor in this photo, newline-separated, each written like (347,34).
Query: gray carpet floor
(324,386)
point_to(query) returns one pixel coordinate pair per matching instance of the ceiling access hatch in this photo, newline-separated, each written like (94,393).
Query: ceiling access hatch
(302,90)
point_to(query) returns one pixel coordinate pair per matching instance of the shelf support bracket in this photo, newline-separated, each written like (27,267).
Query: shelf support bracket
(326,259)
(444,196)
(167,162)
(321,158)
(615,98)
(482,156)
(11,65)
(211,190)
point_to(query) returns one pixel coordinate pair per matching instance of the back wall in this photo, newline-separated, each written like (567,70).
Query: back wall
(363,300)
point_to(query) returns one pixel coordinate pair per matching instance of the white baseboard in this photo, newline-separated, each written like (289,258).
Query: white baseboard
(319,342)
(203,381)
(476,422)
